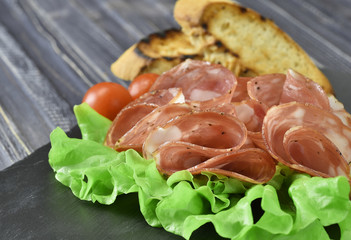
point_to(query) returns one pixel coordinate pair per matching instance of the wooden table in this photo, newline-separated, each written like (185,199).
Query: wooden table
(52,51)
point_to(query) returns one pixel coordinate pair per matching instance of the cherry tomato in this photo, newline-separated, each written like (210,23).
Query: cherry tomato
(141,84)
(107,98)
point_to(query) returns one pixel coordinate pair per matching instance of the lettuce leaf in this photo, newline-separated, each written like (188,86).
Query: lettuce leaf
(290,206)
(93,126)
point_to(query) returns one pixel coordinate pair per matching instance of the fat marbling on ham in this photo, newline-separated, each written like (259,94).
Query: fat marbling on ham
(237,126)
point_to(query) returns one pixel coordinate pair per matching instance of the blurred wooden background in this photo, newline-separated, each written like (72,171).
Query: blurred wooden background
(52,51)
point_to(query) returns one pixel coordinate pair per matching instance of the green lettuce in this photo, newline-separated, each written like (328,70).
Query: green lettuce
(290,206)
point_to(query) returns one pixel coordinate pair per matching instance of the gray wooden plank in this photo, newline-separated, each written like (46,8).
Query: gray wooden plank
(41,47)
(29,107)
(81,40)
(128,22)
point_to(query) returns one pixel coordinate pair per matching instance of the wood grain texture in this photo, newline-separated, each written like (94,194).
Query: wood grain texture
(52,51)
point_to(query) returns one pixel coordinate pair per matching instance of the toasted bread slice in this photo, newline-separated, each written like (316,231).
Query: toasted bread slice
(219,31)
(260,45)
(161,51)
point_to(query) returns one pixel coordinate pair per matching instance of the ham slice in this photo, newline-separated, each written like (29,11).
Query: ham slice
(252,113)
(279,120)
(299,88)
(240,93)
(175,156)
(267,88)
(136,136)
(311,152)
(250,164)
(207,129)
(205,85)
(160,97)
(138,109)
(125,120)
(338,109)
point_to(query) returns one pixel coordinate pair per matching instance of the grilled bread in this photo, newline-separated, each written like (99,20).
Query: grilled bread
(220,32)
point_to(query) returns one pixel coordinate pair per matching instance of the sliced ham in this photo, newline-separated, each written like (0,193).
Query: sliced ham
(136,136)
(338,109)
(206,129)
(161,97)
(138,109)
(125,120)
(203,84)
(311,152)
(175,156)
(240,93)
(280,119)
(267,88)
(299,88)
(251,165)
(252,113)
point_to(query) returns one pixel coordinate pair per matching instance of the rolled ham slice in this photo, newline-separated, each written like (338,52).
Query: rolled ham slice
(175,156)
(252,113)
(251,164)
(240,93)
(138,109)
(299,88)
(125,120)
(135,137)
(279,120)
(160,97)
(206,129)
(205,85)
(338,109)
(311,152)
(266,88)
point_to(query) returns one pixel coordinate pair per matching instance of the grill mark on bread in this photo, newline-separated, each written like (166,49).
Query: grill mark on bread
(193,56)
(242,9)
(141,54)
(161,34)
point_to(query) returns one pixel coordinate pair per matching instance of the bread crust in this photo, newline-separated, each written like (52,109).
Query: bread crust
(219,31)
(259,43)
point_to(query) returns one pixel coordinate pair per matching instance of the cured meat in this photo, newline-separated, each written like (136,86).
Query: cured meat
(299,88)
(138,109)
(267,88)
(206,129)
(311,152)
(252,113)
(280,119)
(161,97)
(136,136)
(226,108)
(251,164)
(338,109)
(205,85)
(175,156)
(240,93)
(125,120)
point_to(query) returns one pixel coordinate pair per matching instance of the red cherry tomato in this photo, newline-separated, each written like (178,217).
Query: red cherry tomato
(107,98)
(141,84)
